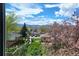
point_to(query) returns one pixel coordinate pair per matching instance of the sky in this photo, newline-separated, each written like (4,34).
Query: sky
(42,13)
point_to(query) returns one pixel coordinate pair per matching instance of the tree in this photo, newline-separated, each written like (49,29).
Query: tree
(56,29)
(43,29)
(11,24)
(24,31)
(76,19)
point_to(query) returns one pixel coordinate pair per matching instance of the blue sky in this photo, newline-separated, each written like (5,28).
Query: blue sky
(41,13)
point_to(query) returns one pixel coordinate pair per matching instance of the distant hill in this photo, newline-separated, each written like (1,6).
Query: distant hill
(34,26)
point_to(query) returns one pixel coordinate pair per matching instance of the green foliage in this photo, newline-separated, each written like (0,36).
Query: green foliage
(33,49)
(24,31)
(8,51)
(11,24)
(43,29)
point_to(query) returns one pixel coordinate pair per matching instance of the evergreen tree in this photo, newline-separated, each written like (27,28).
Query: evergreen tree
(24,31)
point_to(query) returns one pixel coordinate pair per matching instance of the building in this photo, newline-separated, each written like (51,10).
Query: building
(13,35)
(46,38)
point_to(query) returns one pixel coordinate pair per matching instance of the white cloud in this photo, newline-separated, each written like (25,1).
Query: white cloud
(30,11)
(51,5)
(11,10)
(29,16)
(8,10)
(40,21)
(66,9)
(25,9)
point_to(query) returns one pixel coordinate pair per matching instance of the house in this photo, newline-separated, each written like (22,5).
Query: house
(13,38)
(13,35)
(35,34)
(46,38)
